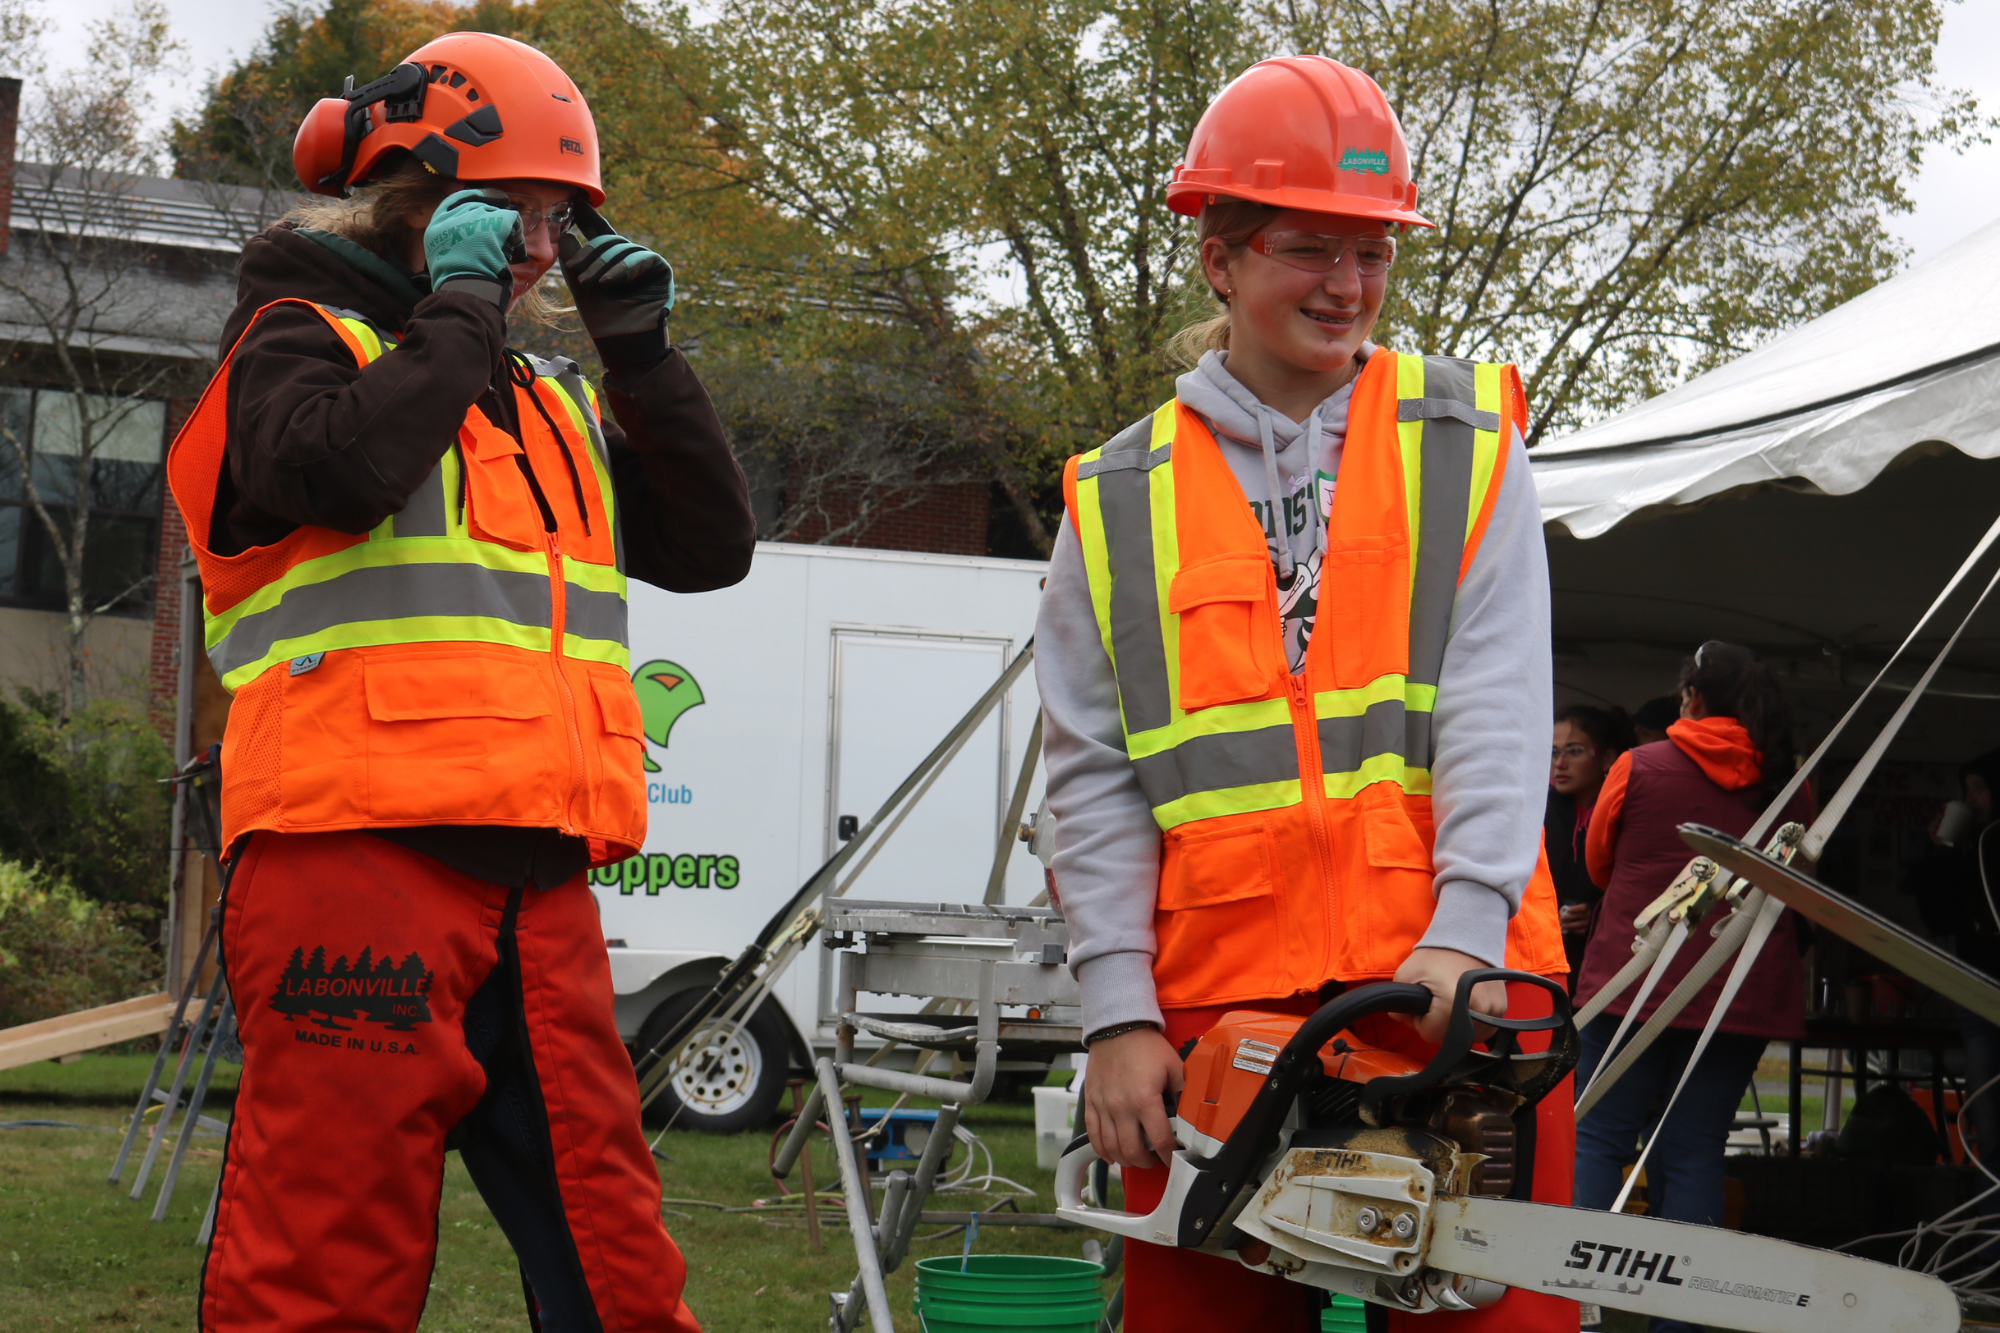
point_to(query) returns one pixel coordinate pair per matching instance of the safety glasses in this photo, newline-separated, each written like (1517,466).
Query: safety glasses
(556,217)
(1321,252)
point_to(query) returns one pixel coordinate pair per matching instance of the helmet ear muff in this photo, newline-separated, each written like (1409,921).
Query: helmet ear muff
(331,134)
(322,152)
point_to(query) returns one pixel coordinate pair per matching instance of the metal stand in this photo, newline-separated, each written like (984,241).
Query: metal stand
(992,957)
(173,1034)
(204,1037)
(192,1120)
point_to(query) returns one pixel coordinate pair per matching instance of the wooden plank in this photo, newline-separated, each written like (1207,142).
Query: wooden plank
(87,1029)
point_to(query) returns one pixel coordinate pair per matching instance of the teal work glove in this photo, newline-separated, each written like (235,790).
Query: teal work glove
(622,290)
(471,239)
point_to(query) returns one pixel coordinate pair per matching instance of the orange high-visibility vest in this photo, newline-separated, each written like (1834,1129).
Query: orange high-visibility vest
(1270,885)
(459,664)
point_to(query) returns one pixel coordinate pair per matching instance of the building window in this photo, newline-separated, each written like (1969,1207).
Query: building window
(124,500)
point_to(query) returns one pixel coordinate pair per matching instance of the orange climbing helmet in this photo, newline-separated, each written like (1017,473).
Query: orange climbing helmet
(1300,132)
(470,106)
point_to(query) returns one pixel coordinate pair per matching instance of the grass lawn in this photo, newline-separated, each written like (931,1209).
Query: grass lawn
(75,1254)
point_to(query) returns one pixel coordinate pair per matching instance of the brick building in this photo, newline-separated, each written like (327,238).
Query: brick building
(156,258)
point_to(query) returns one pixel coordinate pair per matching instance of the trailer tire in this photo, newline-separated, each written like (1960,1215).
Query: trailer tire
(744,1089)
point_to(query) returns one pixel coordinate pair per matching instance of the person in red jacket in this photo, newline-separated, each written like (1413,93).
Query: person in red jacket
(414,543)
(1720,765)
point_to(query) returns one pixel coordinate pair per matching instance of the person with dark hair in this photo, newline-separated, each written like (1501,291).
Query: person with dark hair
(1957,887)
(1655,715)
(415,542)
(1587,741)
(1720,765)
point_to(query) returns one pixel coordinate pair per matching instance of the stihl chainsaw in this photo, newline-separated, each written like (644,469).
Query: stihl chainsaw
(1305,1152)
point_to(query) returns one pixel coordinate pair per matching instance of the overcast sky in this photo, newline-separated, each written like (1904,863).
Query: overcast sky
(1955,194)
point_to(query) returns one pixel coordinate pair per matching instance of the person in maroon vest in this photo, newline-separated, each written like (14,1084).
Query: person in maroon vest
(1720,765)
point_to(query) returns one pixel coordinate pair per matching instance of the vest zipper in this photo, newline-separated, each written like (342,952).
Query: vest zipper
(558,613)
(1312,783)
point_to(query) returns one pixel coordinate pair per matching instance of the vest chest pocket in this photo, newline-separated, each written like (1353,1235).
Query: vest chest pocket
(1392,838)
(1228,632)
(1216,920)
(499,507)
(1364,606)
(470,731)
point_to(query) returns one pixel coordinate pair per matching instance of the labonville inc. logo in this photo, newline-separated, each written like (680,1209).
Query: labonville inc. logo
(394,994)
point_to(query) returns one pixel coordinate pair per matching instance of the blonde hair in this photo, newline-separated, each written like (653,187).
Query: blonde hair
(377,216)
(1233,222)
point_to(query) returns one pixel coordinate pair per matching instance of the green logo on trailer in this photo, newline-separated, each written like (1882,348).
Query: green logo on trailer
(666,690)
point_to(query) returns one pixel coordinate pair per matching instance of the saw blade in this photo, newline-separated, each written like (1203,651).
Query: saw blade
(1835,911)
(1675,1270)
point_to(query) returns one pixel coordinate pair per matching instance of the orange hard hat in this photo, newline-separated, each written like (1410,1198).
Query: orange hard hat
(1300,132)
(470,106)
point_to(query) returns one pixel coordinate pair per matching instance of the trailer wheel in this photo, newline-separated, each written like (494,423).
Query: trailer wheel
(738,1087)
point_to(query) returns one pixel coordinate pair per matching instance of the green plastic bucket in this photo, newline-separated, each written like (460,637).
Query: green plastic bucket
(1343,1314)
(1033,1291)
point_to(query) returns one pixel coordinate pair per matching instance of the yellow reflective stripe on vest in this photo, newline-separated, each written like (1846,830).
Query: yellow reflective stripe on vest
(418,590)
(422,578)
(1238,758)
(354,598)
(373,344)
(1115,490)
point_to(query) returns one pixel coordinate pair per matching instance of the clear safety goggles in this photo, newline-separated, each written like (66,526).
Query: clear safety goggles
(557,218)
(1322,252)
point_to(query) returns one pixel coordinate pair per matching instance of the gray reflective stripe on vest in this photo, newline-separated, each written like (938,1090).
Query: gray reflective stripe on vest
(1143,461)
(1447,489)
(423,516)
(593,615)
(386,592)
(341,312)
(1428,409)
(571,380)
(1215,763)
(1138,643)
(1345,743)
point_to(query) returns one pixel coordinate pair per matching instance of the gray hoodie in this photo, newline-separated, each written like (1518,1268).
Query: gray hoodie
(1490,773)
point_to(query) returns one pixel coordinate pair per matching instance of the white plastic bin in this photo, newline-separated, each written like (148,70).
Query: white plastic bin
(1055,1124)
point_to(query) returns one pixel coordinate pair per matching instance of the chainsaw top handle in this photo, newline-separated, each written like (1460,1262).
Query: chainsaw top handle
(1500,1063)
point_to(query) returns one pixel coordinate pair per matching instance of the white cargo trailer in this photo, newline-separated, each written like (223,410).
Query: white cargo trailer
(779,713)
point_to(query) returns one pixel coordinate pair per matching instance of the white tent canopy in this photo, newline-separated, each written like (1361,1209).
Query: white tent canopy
(1830,404)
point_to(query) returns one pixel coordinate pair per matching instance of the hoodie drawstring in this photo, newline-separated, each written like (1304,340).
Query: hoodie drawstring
(1280,520)
(1278,523)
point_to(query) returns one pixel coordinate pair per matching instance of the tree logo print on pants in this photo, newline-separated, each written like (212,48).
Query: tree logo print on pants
(378,990)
